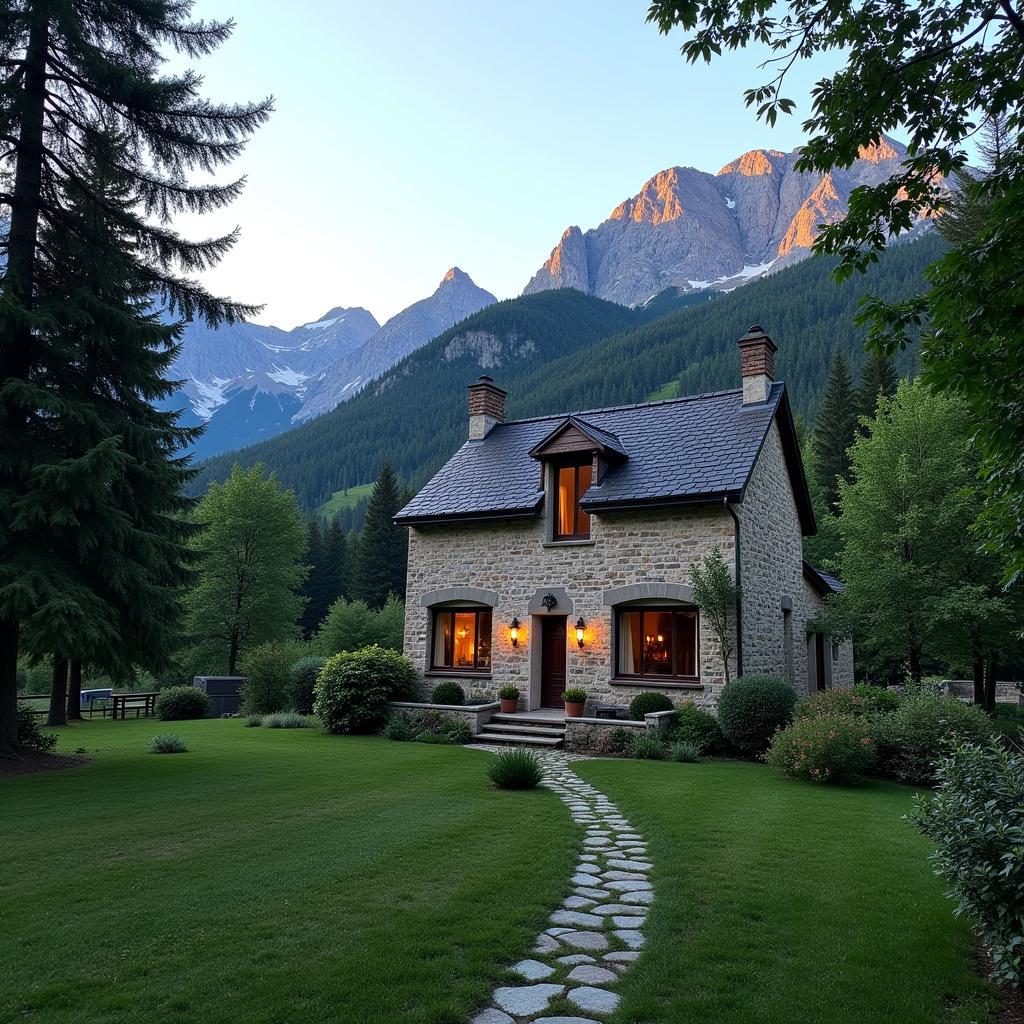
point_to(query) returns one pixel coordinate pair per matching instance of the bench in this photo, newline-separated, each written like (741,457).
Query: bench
(143,704)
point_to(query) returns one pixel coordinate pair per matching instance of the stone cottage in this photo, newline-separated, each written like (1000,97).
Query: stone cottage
(557,551)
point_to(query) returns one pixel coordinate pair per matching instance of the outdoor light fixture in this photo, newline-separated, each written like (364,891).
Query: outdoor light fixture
(513,632)
(580,627)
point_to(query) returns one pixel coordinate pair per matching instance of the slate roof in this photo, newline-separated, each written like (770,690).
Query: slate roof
(685,450)
(823,581)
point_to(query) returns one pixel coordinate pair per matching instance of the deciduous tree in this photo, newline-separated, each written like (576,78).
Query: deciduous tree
(716,595)
(249,568)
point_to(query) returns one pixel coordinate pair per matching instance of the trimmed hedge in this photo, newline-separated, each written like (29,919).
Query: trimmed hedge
(448,692)
(177,703)
(647,704)
(751,709)
(353,689)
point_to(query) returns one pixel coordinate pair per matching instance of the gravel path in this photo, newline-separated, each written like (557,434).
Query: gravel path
(598,931)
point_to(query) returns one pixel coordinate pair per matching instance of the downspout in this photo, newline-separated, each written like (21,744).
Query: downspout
(739,590)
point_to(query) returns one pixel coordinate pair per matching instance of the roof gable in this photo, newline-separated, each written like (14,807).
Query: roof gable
(575,435)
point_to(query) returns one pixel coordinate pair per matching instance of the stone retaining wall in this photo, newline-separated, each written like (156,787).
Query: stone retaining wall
(478,715)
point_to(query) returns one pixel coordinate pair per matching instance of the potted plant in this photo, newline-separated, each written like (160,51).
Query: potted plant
(574,699)
(509,697)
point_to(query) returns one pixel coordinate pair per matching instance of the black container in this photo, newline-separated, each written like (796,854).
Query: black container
(225,693)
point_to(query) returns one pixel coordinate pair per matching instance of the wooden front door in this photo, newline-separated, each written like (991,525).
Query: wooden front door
(552,660)
(819,660)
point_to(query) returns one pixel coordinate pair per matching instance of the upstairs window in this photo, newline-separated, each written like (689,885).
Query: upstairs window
(462,640)
(658,643)
(571,483)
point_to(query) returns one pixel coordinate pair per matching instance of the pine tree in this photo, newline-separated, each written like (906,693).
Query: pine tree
(328,558)
(249,569)
(311,614)
(878,379)
(70,75)
(834,430)
(380,564)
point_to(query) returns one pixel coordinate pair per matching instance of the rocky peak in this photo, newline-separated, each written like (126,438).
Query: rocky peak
(755,163)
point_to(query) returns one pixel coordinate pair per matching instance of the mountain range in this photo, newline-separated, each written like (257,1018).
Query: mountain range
(689,229)
(685,231)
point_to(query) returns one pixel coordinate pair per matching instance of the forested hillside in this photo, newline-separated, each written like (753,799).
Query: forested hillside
(416,413)
(563,350)
(694,349)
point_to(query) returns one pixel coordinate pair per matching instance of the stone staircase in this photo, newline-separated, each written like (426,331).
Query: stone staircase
(524,729)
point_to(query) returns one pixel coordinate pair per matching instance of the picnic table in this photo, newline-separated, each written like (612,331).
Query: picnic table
(143,704)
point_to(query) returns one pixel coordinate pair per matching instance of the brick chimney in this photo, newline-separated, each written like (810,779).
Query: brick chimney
(486,407)
(757,364)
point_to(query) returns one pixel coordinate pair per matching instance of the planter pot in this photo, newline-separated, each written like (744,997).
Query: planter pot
(508,706)
(574,709)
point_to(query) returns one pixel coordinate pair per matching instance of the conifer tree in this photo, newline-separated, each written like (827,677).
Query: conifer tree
(328,571)
(311,587)
(834,431)
(878,379)
(380,565)
(71,74)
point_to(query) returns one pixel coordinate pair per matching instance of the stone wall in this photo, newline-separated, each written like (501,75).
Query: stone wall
(478,715)
(512,560)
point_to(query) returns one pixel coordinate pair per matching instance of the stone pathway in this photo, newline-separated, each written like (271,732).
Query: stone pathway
(598,931)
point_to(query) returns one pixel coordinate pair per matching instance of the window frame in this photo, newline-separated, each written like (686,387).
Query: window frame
(676,611)
(557,466)
(476,611)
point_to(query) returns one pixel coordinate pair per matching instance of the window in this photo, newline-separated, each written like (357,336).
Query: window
(571,522)
(658,643)
(462,640)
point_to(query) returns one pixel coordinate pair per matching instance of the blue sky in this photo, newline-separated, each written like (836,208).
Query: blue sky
(412,137)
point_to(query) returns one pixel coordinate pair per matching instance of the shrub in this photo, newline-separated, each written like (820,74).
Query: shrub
(621,739)
(829,703)
(647,748)
(575,695)
(353,689)
(976,820)
(699,727)
(913,737)
(824,748)
(515,769)
(434,727)
(177,703)
(459,731)
(508,693)
(29,733)
(751,708)
(448,692)
(253,721)
(285,720)
(879,699)
(400,728)
(646,704)
(267,671)
(168,743)
(684,751)
(302,682)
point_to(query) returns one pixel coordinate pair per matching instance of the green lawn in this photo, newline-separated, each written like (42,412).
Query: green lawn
(341,500)
(279,876)
(268,876)
(785,902)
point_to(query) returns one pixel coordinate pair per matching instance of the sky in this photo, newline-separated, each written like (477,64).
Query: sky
(408,138)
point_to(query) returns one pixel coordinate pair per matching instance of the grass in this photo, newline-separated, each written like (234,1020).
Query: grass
(340,500)
(268,876)
(783,901)
(669,390)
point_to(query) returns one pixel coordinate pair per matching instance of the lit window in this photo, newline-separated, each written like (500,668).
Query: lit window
(572,523)
(657,643)
(462,640)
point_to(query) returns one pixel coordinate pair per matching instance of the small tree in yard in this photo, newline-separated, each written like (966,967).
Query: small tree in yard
(249,567)
(716,595)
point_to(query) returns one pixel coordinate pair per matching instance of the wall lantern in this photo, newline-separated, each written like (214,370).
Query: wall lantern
(513,632)
(580,627)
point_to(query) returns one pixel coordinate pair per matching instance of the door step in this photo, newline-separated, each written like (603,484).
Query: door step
(521,739)
(530,718)
(533,730)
